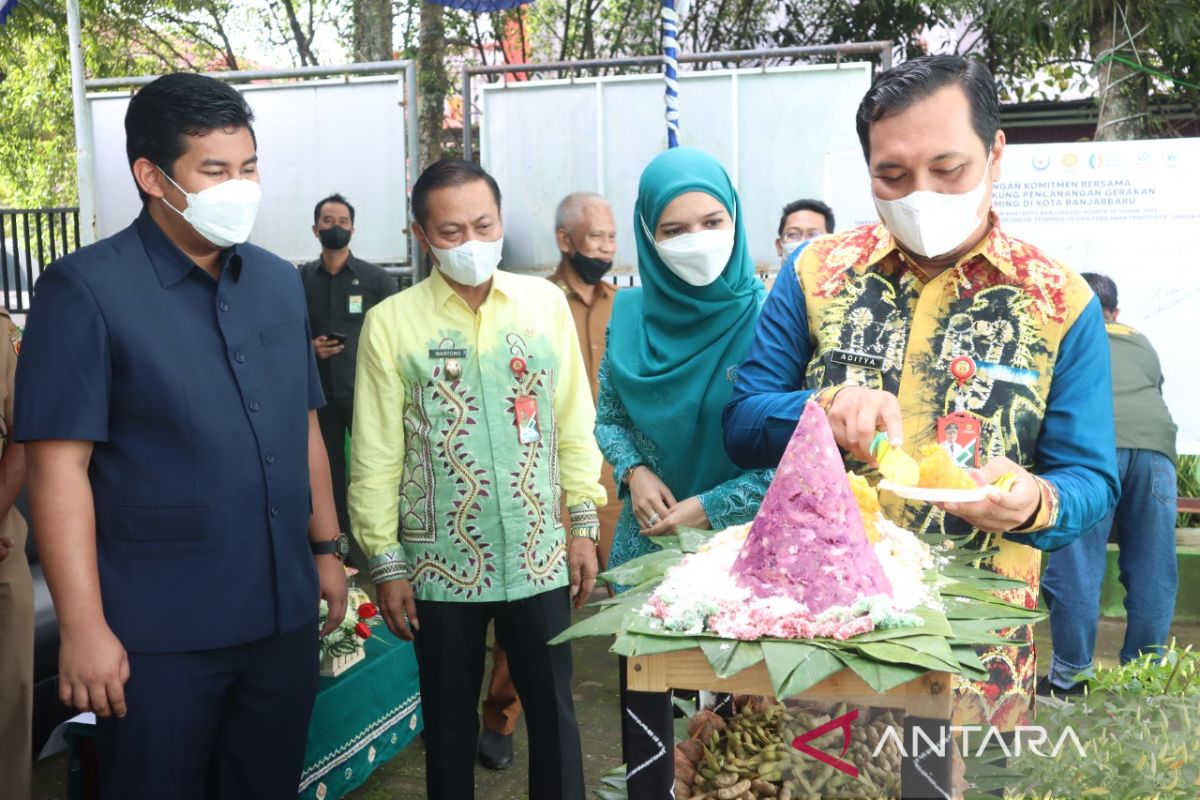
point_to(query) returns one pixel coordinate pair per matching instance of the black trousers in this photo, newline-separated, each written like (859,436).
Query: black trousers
(450,657)
(225,724)
(336,419)
(647,741)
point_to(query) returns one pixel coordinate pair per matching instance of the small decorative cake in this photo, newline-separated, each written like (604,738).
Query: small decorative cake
(808,541)
(819,561)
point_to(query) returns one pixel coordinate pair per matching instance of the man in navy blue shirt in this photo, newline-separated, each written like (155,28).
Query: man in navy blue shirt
(179,486)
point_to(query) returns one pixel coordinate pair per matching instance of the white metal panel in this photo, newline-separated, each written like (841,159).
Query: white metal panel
(314,138)
(770,128)
(565,116)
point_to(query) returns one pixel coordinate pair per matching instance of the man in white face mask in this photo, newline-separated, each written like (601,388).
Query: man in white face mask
(937,322)
(472,401)
(178,482)
(801,221)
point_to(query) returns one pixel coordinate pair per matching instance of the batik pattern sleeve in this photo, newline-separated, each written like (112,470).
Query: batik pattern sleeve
(769,394)
(615,432)
(1077,450)
(575,416)
(377,457)
(736,500)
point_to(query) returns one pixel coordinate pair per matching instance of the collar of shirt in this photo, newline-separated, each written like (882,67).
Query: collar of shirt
(171,263)
(569,281)
(995,247)
(444,293)
(351,264)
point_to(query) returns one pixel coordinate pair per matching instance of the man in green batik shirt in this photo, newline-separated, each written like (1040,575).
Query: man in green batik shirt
(473,402)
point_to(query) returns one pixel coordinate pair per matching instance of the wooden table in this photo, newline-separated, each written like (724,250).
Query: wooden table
(926,701)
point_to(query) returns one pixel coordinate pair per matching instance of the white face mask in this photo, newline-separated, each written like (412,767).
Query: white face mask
(697,258)
(790,247)
(932,224)
(471,263)
(223,214)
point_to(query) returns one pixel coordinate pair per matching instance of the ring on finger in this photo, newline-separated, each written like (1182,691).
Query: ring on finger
(653,519)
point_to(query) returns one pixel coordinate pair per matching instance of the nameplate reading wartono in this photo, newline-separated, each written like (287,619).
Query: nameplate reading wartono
(447,352)
(852,359)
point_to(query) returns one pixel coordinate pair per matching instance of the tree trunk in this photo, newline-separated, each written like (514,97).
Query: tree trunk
(432,81)
(372,40)
(1123,92)
(302,41)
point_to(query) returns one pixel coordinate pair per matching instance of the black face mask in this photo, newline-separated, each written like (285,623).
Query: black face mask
(335,238)
(590,269)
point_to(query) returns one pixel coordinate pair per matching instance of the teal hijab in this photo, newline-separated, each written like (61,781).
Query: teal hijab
(673,348)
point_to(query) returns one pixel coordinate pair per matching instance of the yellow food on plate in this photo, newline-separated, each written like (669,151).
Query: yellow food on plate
(894,464)
(868,504)
(938,470)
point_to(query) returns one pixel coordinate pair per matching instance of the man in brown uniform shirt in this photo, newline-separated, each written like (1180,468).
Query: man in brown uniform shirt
(16,591)
(587,239)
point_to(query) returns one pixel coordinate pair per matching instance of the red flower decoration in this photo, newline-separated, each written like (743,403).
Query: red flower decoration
(363,631)
(366,611)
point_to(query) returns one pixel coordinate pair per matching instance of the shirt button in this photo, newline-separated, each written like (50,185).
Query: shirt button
(223,306)
(274,511)
(270,459)
(240,357)
(254,405)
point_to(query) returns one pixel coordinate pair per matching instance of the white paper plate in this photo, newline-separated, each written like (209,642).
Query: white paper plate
(935,495)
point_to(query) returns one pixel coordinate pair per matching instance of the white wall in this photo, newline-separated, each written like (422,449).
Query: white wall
(770,128)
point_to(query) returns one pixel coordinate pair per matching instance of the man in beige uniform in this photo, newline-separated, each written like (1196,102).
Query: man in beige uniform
(587,238)
(16,592)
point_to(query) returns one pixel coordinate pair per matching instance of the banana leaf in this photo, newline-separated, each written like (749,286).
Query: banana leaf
(795,667)
(994,580)
(607,622)
(879,675)
(983,631)
(971,608)
(930,652)
(643,568)
(729,657)
(640,644)
(983,595)
(969,661)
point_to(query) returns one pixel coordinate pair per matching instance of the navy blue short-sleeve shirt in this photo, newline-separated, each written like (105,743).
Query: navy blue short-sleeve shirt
(196,393)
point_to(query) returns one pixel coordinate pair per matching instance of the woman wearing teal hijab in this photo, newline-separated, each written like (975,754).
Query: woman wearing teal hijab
(673,348)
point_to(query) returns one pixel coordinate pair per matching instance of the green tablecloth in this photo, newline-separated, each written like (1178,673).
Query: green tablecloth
(362,718)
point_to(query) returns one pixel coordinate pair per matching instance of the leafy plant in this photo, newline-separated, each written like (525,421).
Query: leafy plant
(1139,729)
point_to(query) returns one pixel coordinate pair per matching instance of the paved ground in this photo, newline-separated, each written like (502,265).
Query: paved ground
(596,705)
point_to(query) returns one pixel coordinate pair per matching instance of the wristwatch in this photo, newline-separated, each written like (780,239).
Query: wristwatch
(339,547)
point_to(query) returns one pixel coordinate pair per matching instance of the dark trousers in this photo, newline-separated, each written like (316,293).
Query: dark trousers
(647,741)
(450,656)
(336,419)
(225,724)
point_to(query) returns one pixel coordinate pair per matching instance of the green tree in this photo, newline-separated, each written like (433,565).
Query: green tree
(1135,53)
(37,150)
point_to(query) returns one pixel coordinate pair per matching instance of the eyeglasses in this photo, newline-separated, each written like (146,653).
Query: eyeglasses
(794,235)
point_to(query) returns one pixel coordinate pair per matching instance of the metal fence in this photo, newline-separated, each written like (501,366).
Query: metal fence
(30,240)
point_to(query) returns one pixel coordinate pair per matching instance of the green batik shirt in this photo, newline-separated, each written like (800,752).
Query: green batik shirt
(445,490)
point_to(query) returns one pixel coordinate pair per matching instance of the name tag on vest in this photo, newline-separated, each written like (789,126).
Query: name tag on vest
(447,352)
(852,359)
